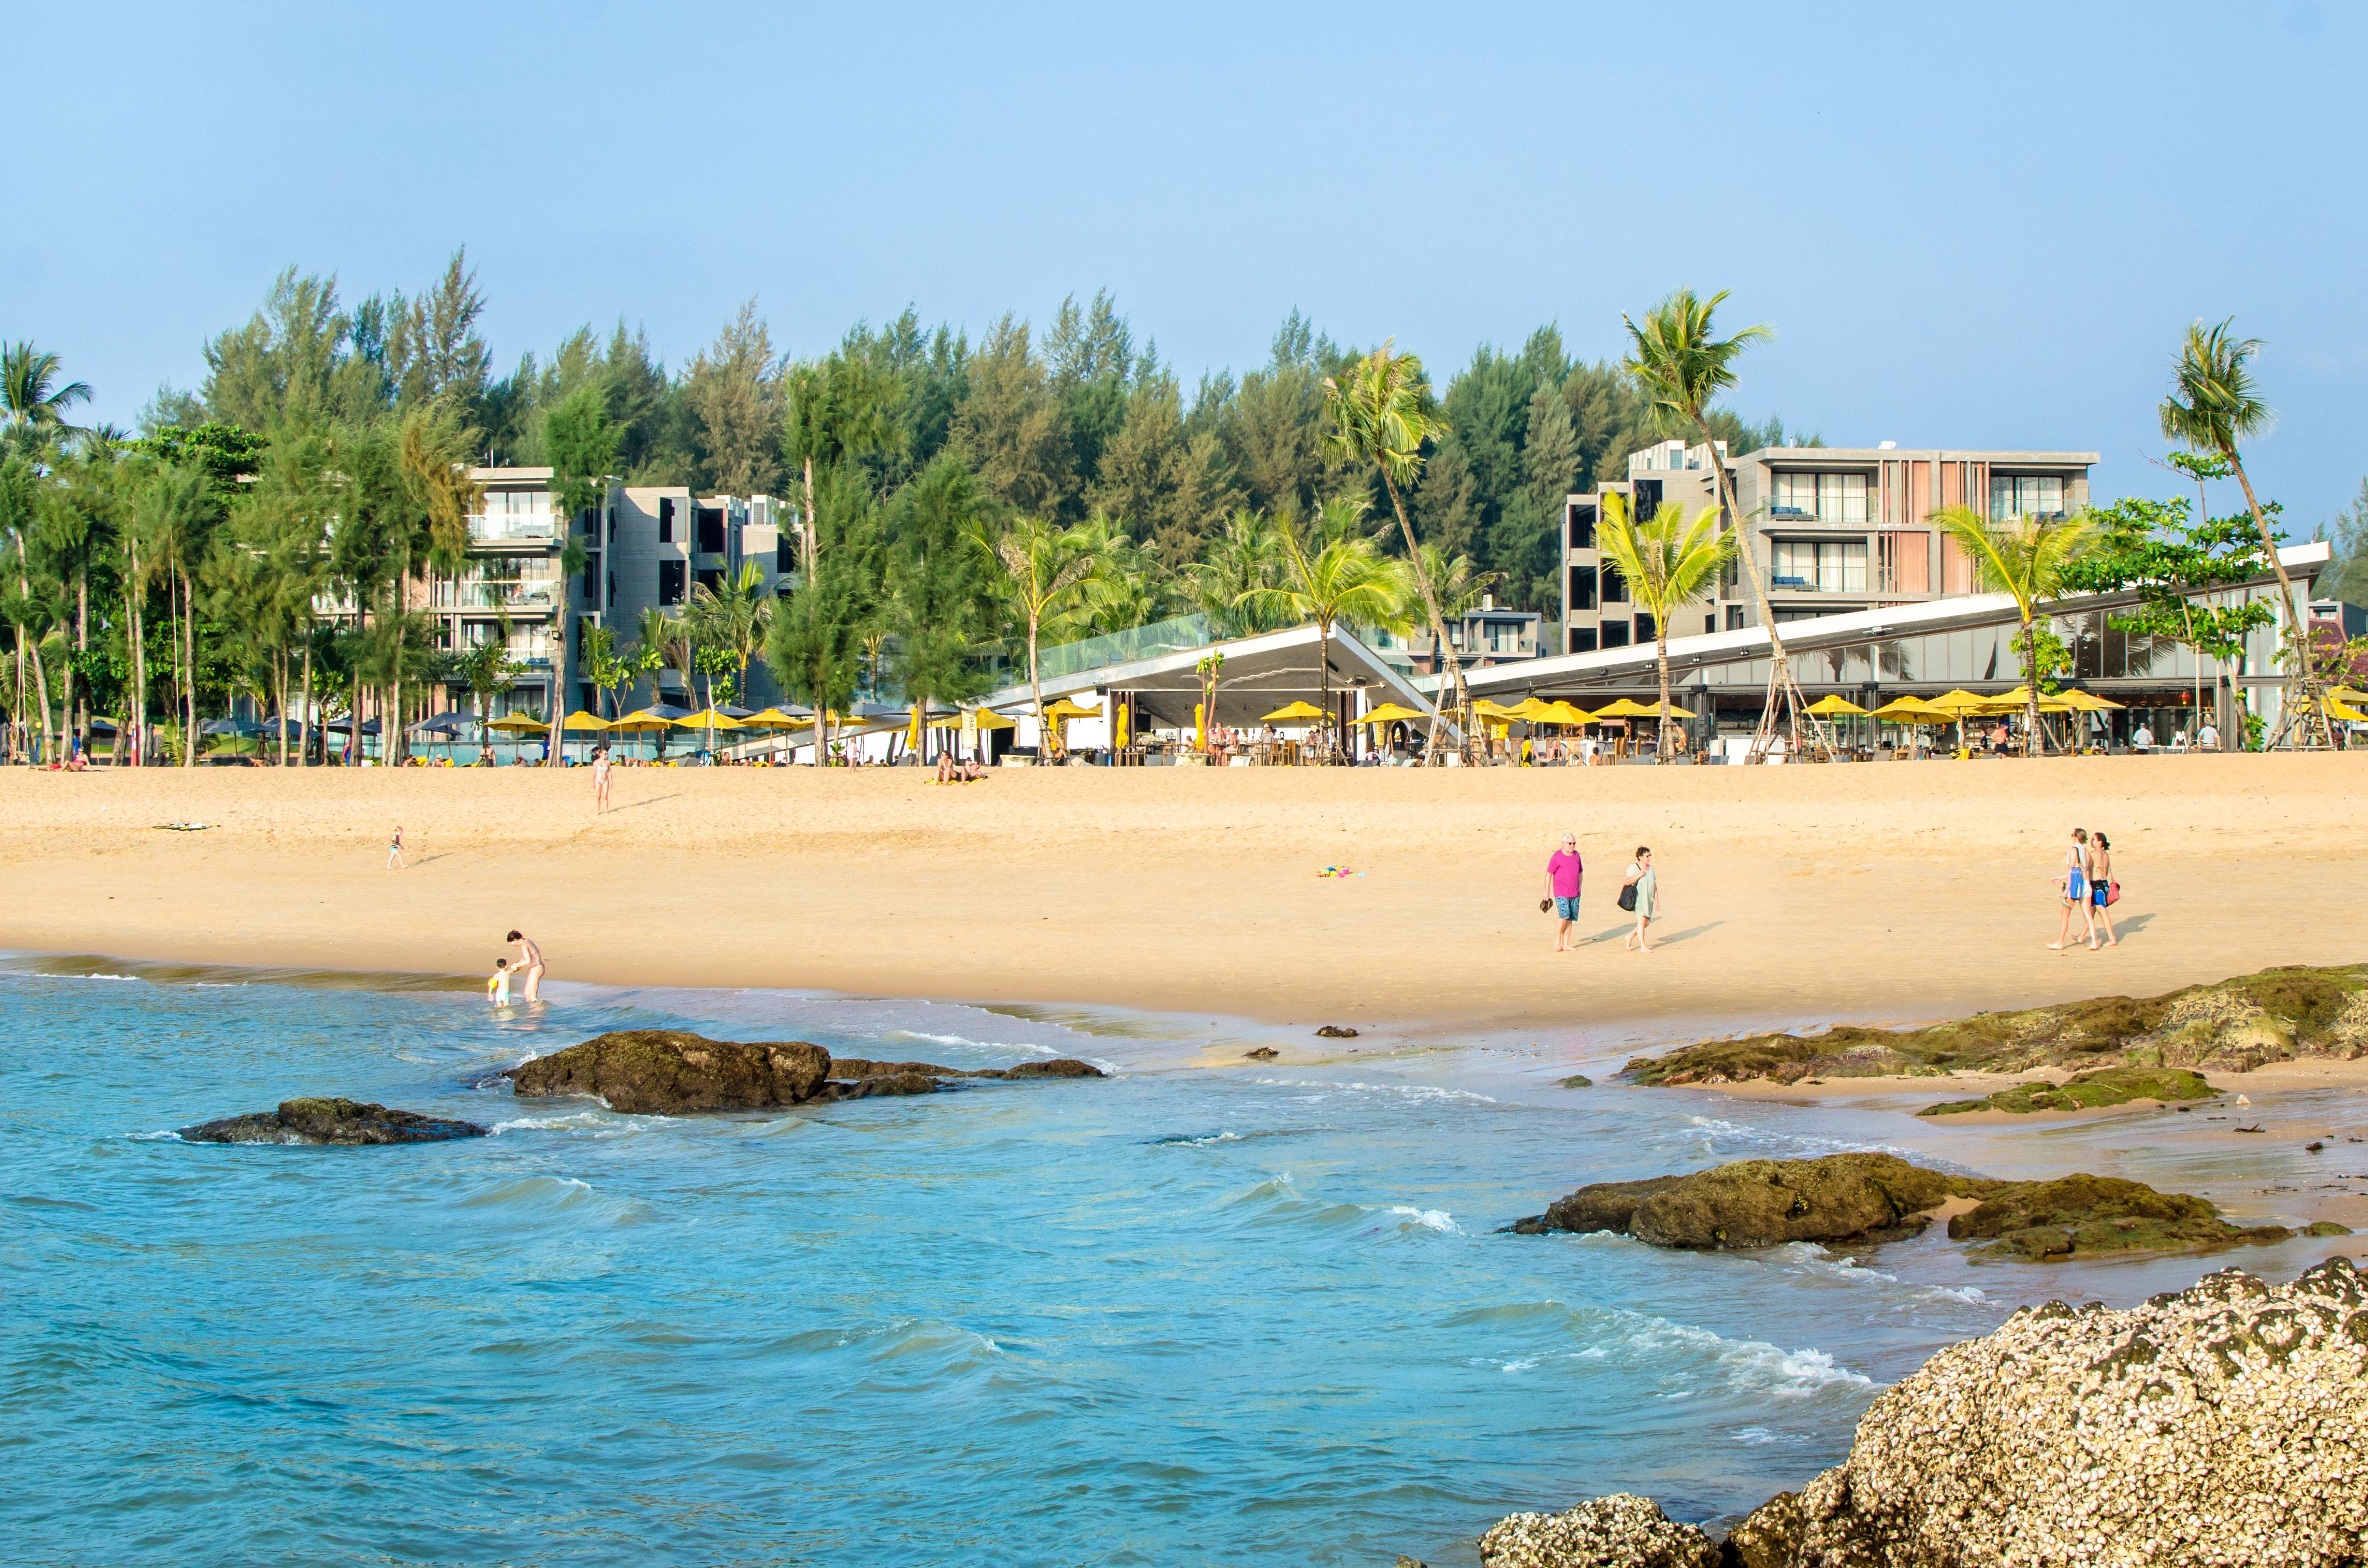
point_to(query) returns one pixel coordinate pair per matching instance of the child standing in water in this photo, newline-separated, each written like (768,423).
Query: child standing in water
(498,987)
(394,849)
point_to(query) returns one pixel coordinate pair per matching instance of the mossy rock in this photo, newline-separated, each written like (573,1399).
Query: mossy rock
(2085,1216)
(2231,1025)
(2088,1091)
(325,1121)
(1577,1081)
(671,1071)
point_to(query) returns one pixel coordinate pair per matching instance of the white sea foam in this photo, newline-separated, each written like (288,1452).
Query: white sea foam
(1752,1366)
(1805,1143)
(170,1134)
(1428,1218)
(1412,1091)
(598,1123)
(1045,1051)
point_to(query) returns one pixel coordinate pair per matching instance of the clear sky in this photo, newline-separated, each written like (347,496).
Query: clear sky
(1970,226)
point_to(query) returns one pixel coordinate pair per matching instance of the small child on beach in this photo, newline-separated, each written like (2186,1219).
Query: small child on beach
(497,985)
(394,850)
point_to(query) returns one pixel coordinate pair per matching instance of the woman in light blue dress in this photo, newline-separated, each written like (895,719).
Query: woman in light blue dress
(1641,878)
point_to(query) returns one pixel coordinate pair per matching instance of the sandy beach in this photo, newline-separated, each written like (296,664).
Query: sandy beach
(1896,892)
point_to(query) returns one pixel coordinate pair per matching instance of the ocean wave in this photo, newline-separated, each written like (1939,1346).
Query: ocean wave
(1752,1366)
(540,1198)
(599,1123)
(1805,1143)
(1276,1201)
(1044,1051)
(1411,1091)
(1684,1355)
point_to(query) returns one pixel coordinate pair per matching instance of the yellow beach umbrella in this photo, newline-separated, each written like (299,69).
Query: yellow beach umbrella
(2346,694)
(1496,710)
(709,719)
(1627,708)
(1066,710)
(643,720)
(1294,713)
(1530,709)
(527,724)
(1563,712)
(1390,714)
(771,719)
(1913,710)
(2345,711)
(1833,704)
(1959,701)
(913,730)
(988,719)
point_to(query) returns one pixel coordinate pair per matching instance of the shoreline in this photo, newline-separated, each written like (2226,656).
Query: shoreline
(1798,895)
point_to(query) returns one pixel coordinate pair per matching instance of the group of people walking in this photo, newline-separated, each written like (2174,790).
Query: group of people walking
(1640,894)
(2087,887)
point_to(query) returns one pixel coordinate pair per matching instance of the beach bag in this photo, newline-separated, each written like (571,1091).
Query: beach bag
(1628,898)
(2112,893)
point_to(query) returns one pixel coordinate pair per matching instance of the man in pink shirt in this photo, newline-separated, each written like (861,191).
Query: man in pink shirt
(1564,869)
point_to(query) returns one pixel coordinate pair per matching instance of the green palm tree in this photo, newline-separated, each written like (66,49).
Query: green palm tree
(1680,367)
(30,396)
(1044,573)
(1338,574)
(1667,560)
(733,618)
(1246,556)
(658,636)
(2027,557)
(1382,412)
(2212,406)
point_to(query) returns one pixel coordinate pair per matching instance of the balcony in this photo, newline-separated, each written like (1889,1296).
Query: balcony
(517,598)
(529,528)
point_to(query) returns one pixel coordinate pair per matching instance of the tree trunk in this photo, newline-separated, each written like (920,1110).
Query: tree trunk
(305,740)
(1324,685)
(2301,707)
(390,741)
(1781,688)
(189,666)
(82,645)
(1451,666)
(806,524)
(565,600)
(41,694)
(1661,657)
(1036,686)
(2038,741)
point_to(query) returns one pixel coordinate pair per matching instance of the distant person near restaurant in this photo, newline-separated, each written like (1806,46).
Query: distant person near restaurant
(2072,885)
(1563,871)
(2208,737)
(394,849)
(2143,739)
(2101,890)
(1640,890)
(530,964)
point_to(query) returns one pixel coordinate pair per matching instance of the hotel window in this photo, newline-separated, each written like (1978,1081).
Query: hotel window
(670,576)
(1615,634)
(710,530)
(1582,588)
(1615,587)
(1734,617)
(1832,566)
(1829,498)
(785,553)
(1504,636)
(1649,499)
(665,519)
(1582,525)
(2025,495)
(1646,629)
(1582,639)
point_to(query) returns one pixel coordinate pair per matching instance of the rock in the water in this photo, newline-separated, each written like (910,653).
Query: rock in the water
(1758,1203)
(873,1085)
(324,1121)
(1578,1081)
(1619,1531)
(668,1072)
(1865,1199)
(1059,1067)
(1263,1054)
(2225,1424)
(2086,1214)
(1335,1031)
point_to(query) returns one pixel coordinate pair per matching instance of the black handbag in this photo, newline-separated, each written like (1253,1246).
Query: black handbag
(1628,898)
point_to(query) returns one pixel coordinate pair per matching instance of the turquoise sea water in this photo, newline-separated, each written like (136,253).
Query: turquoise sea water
(1258,1314)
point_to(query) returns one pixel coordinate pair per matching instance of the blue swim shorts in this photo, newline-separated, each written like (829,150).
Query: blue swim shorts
(1566,908)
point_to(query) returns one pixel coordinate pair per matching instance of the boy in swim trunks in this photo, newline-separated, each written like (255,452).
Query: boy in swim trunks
(498,987)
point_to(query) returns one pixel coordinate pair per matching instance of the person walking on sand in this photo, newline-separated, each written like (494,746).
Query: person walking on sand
(1640,890)
(394,849)
(530,964)
(2100,870)
(1564,869)
(600,778)
(2074,887)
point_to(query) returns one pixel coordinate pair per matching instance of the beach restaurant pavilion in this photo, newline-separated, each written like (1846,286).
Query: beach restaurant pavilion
(1925,648)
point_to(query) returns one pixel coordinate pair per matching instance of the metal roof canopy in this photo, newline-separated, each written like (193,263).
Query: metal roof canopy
(1612,666)
(1261,673)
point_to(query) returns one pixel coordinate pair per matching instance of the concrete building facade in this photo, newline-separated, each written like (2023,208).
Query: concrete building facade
(1834,530)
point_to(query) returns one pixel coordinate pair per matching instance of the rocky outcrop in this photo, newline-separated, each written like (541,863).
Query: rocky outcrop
(2221,1426)
(2231,1025)
(2088,1091)
(670,1073)
(1335,1031)
(1758,1203)
(1867,1199)
(332,1121)
(1623,1529)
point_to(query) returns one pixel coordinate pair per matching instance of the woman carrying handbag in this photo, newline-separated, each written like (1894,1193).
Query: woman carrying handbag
(1640,893)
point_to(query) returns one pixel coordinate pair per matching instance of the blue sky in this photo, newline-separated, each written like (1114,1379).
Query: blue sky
(1970,226)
